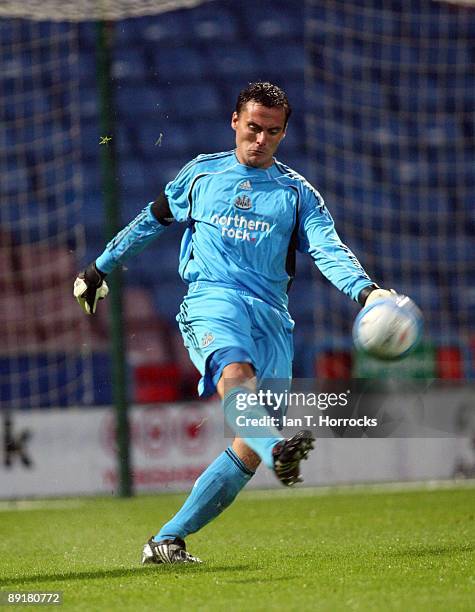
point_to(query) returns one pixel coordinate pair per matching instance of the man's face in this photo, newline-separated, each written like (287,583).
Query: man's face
(259,131)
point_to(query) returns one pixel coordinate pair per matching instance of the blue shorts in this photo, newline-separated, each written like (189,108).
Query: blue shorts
(213,318)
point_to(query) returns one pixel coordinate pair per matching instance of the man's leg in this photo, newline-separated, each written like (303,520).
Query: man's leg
(280,455)
(215,489)
(238,379)
(220,483)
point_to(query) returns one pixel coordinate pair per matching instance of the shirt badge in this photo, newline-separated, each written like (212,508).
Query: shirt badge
(243,203)
(207,339)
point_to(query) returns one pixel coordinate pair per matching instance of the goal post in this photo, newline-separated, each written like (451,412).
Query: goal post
(46,342)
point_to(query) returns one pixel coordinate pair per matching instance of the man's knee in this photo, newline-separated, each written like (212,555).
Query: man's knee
(236,374)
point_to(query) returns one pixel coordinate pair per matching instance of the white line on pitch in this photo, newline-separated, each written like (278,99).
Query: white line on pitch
(384,487)
(37,504)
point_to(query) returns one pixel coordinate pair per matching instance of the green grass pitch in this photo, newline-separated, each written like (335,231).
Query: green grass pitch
(307,549)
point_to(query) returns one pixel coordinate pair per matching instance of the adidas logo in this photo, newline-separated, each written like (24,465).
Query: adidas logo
(245,185)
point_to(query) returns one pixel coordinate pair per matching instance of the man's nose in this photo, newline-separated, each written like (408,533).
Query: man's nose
(261,138)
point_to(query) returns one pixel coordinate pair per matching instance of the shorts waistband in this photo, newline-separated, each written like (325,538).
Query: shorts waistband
(194,286)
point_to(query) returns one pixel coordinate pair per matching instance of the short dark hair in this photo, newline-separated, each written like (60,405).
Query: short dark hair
(264,93)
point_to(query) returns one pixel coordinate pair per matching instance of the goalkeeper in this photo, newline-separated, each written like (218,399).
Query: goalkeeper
(246,214)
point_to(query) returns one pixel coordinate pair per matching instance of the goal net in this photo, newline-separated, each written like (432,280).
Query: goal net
(389,107)
(390,92)
(45,340)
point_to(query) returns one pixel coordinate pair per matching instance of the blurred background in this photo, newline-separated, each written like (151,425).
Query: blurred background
(383,93)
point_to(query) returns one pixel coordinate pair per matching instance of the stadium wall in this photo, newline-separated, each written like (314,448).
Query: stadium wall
(58,452)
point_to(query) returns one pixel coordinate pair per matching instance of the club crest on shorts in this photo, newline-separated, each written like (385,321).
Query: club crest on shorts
(243,202)
(207,339)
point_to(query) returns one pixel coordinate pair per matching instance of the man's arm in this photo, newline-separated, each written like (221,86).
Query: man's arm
(318,237)
(90,286)
(139,233)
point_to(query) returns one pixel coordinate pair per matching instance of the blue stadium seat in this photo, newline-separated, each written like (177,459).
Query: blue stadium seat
(294,88)
(87,68)
(11,35)
(102,373)
(87,36)
(128,65)
(130,207)
(304,351)
(286,60)
(210,135)
(125,140)
(174,138)
(280,21)
(132,175)
(33,106)
(177,138)
(367,95)
(433,205)
(169,28)
(234,62)
(91,177)
(449,251)
(294,139)
(178,63)
(168,297)
(53,177)
(130,32)
(92,210)
(303,300)
(427,296)
(297,162)
(406,255)
(95,243)
(305,267)
(192,101)
(88,102)
(14,179)
(166,169)
(47,29)
(150,101)
(89,140)
(214,23)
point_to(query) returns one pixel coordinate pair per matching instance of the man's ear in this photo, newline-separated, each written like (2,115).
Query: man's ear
(234,120)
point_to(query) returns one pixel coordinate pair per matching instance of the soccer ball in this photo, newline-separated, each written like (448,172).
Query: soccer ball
(389,328)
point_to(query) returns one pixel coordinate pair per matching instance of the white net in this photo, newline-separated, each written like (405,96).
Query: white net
(391,97)
(44,357)
(91,10)
(45,341)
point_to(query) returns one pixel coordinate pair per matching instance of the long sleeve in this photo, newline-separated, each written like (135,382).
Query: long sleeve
(318,238)
(139,233)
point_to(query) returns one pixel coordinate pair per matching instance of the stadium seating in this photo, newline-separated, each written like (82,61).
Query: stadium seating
(389,145)
(214,24)
(177,63)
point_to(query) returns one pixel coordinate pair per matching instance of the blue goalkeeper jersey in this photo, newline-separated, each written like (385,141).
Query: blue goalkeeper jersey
(244,225)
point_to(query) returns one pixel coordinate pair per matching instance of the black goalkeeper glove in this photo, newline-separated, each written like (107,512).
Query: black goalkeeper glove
(89,288)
